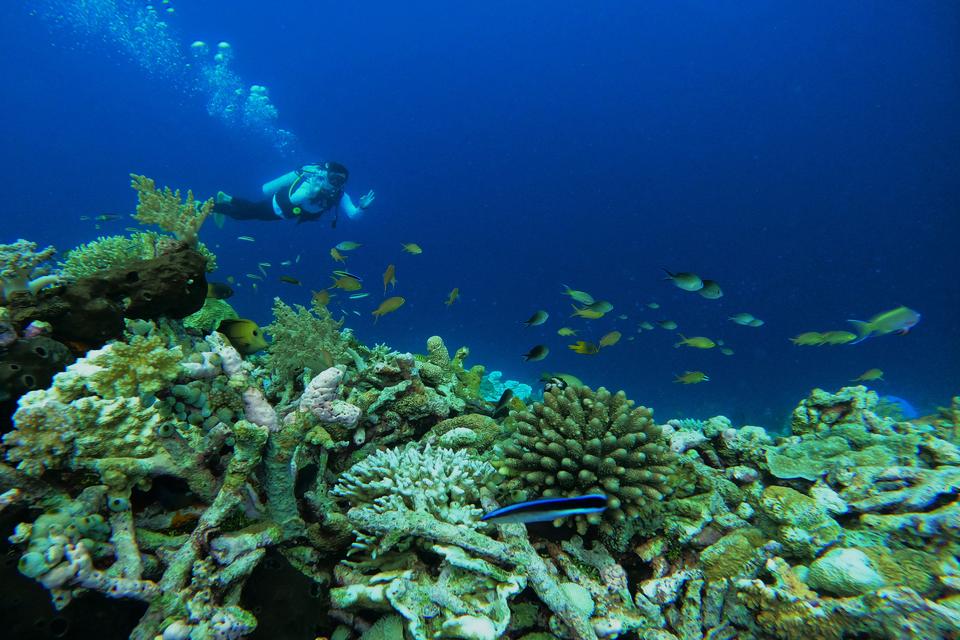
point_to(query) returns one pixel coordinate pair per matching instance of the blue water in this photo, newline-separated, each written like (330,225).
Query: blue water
(805,156)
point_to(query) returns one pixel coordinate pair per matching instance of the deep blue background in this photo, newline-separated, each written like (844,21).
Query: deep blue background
(804,155)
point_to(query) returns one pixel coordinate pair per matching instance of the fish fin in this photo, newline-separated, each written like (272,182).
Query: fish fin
(670,276)
(903,332)
(219,219)
(863,328)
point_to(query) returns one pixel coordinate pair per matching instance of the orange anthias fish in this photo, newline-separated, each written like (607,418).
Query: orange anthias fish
(387,306)
(389,277)
(454,294)
(336,255)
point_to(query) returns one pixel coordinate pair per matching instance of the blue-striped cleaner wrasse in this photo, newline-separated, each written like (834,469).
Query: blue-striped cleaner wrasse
(547,509)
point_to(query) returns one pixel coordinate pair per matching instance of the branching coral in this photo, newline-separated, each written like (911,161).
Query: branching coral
(109,252)
(165,209)
(580,441)
(303,339)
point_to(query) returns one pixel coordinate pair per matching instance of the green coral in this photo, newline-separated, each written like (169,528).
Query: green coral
(579,441)
(438,481)
(304,339)
(727,557)
(165,209)
(210,315)
(109,252)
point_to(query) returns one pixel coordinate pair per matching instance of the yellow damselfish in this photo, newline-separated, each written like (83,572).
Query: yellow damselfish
(566,331)
(412,248)
(692,377)
(337,256)
(347,283)
(389,277)
(583,312)
(610,339)
(452,297)
(869,375)
(584,348)
(697,342)
(387,306)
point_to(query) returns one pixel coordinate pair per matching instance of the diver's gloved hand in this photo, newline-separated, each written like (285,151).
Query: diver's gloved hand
(367,199)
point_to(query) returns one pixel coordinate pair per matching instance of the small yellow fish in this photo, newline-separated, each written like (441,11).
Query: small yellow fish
(697,342)
(727,351)
(452,297)
(321,297)
(600,305)
(389,278)
(254,276)
(347,283)
(538,318)
(583,312)
(838,337)
(899,320)
(387,306)
(653,305)
(692,377)
(290,280)
(685,281)
(610,339)
(808,338)
(231,279)
(246,238)
(412,248)
(669,325)
(710,290)
(622,316)
(337,256)
(869,375)
(646,326)
(743,319)
(286,263)
(566,331)
(536,353)
(584,348)
(347,245)
(245,336)
(578,296)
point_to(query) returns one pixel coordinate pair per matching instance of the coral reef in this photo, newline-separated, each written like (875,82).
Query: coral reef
(165,209)
(91,310)
(164,468)
(109,252)
(579,441)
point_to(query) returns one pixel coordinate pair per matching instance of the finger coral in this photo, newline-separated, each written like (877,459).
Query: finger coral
(579,441)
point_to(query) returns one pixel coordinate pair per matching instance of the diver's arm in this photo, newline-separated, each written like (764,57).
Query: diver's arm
(270,188)
(346,206)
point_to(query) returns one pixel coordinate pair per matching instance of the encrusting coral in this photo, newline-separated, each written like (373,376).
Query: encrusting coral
(579,441)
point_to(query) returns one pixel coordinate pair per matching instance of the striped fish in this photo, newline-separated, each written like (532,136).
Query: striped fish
(547,509)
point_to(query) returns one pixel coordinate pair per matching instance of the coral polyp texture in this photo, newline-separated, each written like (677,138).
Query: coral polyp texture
(579,441)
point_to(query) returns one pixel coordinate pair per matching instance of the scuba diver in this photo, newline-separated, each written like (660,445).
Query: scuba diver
(303,195)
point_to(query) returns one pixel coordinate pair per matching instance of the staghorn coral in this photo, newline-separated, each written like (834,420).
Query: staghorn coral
(165,209)
(22,268)
(579,441)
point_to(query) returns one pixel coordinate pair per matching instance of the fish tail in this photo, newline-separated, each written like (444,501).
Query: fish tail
(863,328)
(670,276)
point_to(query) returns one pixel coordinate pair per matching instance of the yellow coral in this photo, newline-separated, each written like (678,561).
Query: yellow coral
(164,209)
